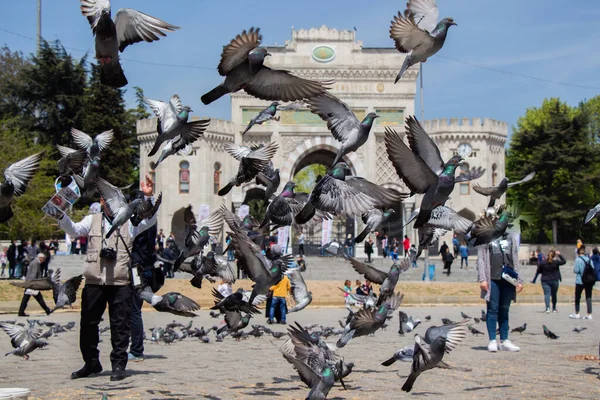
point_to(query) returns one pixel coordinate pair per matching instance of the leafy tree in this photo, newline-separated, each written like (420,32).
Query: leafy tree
(306,178)
(554,140)
(12,65)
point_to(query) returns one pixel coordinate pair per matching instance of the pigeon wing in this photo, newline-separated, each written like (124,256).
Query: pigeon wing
(456,334)
(115,200)
(104,139)
(448,219)
(299,289)
(307,375)
(407,35)
(194,130)
(273,84)
(526,179)
(236,52)
(382,197)
(236,151)
(92,9)
(425,13)
(370,273)
(341,121)
(486,191)
(178,227)
(134,26)
(71,287)
(422,145)
(176,104)
(472,174)
(35,284)
(411,168)
(21,172)
(19,335)
(71,159)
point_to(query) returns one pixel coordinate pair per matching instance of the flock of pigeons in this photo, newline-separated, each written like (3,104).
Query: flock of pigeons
(418,164)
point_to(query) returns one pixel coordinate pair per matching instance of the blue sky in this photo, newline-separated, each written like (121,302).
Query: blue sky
(549,39)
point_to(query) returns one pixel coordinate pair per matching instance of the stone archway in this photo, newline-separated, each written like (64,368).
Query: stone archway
(315,145)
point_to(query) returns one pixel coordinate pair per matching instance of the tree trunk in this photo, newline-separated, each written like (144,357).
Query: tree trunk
(554,231)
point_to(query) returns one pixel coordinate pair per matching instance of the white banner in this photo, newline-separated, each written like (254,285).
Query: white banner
(243,211)
(204,212)
(326,231)
(283,234)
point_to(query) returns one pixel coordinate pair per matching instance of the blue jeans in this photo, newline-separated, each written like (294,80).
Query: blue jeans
(501,294)
(349,251)
(137,327)
(466,261)
(277,301)
(550,289)
(431,269)
(414,264)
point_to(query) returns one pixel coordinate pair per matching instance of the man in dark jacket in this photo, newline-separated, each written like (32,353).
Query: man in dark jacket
(11,255)
(33,272)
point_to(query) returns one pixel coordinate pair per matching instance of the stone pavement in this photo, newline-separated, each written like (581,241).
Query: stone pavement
(254,369)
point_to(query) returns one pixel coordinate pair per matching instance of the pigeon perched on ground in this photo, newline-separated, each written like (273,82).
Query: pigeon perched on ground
(171,302)
(495,192)
(549,334)
(16,179)
(429,351)
(418,33)
(520,329)
(116,203)
(214,314)
(269,178)
(404,354)
(24,340)
(428,318)
(93,147)
(71,162)
(447,321)
(367,321)
(474,331)
(578,329)
(373,220)
(483,316)
(387,280)
(253,161)
(465,316)
(302,297)
(422,169)
(130,26)
(341,193)
(173,126)
(342,123)
(406,324)
(476,320)
(242,66)
(269,113)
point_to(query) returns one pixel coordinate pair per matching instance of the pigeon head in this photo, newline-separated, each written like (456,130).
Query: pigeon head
(452,164)
(288,190)
(184,114)
(340,171)
(258,55)
(274,105)
(369,119)
(442,26)
(389,212)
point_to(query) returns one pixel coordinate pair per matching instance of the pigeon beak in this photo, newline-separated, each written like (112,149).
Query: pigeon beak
(268,54)
(454,23)
(376,116)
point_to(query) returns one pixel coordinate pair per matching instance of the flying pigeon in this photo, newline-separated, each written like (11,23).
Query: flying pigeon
(269,178)
(341,193)
(342,123)
(302,297)
(173,127)
(87,181)
(387,280)
(171,302)
(234,322)
(253,161)
(93,147)
(242,66)
(130,26)
(319,381)
(233,302)
(422,169)
(520,329)
(145,210)
(16,179)
(373,220)
(71,162)
(270,112)
(405,354)
(487,229)
(444,218)
(210,267)
(549,334)
(495,192)
(115,201)
(418,33)
(406,324)
(24,340)
(283,208)
(428,235)
(578,329)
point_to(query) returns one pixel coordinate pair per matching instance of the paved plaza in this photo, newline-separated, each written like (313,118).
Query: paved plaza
(254,368)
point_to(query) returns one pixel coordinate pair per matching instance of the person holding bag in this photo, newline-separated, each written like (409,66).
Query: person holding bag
(550,271)
(499,281)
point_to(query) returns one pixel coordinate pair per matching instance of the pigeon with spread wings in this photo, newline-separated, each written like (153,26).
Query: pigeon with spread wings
(111,37)
(495,192)
(23,340)
(16,179)
(302,296)
(92,146)
(252,161)
(116,203)
(418,33)
(242,65)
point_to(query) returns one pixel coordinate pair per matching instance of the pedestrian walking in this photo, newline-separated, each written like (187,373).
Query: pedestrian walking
(34,272)
(549,269)
(585,278)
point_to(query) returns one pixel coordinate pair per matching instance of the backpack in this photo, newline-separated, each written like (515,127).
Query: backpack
(588,275)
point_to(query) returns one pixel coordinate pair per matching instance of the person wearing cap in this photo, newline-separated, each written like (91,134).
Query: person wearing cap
(34,272)
(107,281)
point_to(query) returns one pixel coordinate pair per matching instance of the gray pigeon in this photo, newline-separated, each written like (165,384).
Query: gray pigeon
(269,178)
(171,302)
(71,162)
(16,179)
(474,331)
(444,218)
(578,329)
(387,280)
(407,324)
(270,113)
(115,201)
(251,163)
(302,297)
(87,181)
(242,66)
(234,322)
(418,33)
(283,208)
(319,382)
(495,192)
(373,220)
(173,127)
(422,169)
(342,123)
(405,354)
(130,26)
(64,293)
(93,147)
(341,193)
(210,267)
(24,340)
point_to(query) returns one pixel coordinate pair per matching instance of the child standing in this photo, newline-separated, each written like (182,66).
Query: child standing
(3,260)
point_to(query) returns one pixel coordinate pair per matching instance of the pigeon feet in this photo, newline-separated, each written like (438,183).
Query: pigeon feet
(105,60)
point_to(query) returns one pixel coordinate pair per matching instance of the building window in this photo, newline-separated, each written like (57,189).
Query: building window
(217,177)
(184,177)
(465,188)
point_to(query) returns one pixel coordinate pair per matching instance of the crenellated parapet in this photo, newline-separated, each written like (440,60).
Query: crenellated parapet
(466,129)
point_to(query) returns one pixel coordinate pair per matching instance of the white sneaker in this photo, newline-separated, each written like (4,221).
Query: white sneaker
(547,311)
(507,345)
(575,316)
(493,346)
(587,317)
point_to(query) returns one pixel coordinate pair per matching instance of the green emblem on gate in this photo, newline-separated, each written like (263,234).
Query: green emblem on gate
(323,53)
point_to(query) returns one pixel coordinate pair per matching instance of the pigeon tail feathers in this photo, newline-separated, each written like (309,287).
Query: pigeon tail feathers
(404,67)
(214,94)
(111,74)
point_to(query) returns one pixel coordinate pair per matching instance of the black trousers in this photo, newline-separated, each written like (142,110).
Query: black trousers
(579,289)
(94,299)
(301,249)
(40,300)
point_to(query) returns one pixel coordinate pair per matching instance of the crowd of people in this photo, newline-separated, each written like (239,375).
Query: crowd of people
(15,258)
